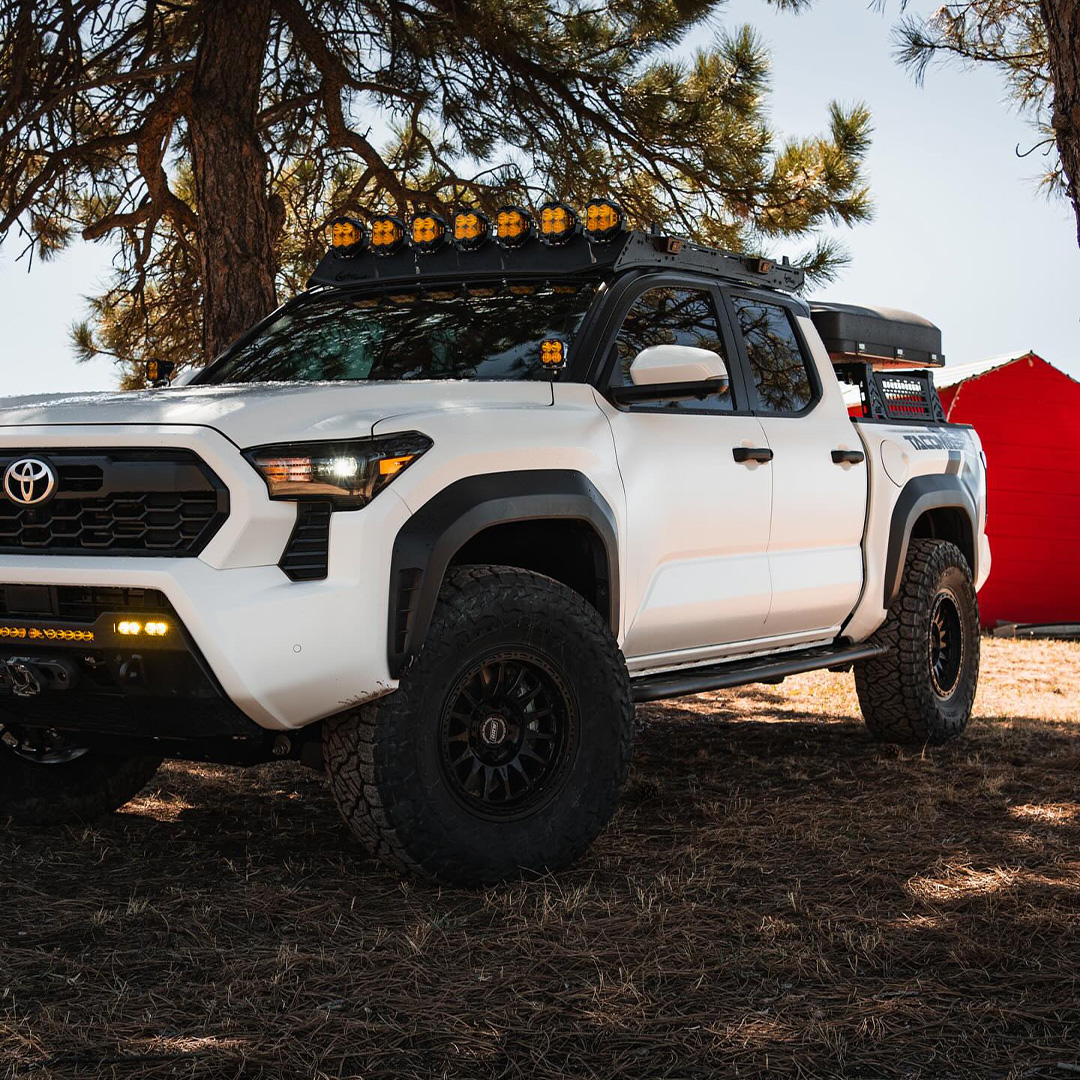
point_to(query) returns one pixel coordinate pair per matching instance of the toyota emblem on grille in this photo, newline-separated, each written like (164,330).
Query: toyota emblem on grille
(29,481)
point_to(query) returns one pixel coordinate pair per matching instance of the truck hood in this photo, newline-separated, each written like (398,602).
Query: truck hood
(251,415)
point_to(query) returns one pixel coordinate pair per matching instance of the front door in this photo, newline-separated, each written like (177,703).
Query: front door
(697,518)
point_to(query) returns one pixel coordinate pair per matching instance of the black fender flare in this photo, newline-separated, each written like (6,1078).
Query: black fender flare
(924,493)
(429,539)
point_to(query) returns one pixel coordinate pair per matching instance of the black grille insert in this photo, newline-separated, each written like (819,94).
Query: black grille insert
(307,554)
(117,502)
(79,603)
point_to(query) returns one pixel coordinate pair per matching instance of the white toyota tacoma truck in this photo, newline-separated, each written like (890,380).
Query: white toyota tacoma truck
(436,524)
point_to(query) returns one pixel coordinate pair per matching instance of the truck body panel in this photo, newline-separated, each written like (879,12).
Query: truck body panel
(715,555)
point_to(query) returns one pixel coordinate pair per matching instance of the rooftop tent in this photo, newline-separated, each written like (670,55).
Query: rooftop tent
(1027,413)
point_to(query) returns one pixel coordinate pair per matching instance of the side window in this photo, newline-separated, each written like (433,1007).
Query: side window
(776,358)
(672,316)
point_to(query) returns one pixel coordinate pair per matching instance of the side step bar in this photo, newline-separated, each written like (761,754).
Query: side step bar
(669,684)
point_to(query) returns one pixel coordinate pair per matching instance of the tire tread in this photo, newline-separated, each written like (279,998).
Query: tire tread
(379,802)
(894,690)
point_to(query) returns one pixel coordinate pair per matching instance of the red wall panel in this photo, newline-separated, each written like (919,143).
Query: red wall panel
(1027,414)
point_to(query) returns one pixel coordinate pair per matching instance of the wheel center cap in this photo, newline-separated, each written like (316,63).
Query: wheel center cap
(493,730)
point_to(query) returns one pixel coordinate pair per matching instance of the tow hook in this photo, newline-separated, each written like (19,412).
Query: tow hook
(132,672)
(26,676)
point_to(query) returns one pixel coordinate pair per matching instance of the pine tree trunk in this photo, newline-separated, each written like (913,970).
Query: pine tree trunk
(237,225)
(1062,21)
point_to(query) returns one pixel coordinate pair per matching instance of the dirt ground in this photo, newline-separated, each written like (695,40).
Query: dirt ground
(778,895)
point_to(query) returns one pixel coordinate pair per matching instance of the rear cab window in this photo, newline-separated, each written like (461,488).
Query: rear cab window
(779,367)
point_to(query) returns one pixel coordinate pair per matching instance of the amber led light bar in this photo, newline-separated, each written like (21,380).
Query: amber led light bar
(45,633)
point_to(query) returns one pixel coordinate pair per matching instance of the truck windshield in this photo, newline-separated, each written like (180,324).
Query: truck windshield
(483,332)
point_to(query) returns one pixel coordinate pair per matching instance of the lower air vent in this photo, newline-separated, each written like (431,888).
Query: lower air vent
(307,554)
(79,603)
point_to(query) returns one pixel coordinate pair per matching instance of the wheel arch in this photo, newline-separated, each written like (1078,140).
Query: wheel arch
(551,521)
(930,507)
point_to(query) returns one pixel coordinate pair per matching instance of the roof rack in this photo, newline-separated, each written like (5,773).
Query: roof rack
(578,256)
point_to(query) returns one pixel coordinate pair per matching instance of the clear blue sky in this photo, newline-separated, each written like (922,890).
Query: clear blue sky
(960,235)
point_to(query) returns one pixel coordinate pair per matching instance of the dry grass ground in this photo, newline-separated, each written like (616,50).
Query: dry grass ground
(778,894)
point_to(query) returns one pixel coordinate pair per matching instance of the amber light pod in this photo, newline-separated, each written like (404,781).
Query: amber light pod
(604,220)
(428,232)
(558,223)
(347,236)
(387,234)
(552,353)
(513,226)
(471,229)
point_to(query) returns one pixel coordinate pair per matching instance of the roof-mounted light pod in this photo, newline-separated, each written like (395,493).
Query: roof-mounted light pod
(347,236)
(471,229)
(428,232)
(558,223)
(604,220)
(387,234)
(513,226)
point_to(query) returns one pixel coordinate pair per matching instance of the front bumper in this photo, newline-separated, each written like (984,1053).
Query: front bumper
(284,653)
(102,683)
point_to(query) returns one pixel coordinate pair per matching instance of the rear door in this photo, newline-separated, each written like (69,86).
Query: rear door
(697,518)
(818,497)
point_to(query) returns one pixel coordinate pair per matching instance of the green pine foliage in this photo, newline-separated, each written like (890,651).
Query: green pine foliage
(398,104)
(1008,35)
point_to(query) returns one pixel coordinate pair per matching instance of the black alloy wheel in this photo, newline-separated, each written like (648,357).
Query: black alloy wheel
(922,688)
(503,749)
(946,644)
(508,731)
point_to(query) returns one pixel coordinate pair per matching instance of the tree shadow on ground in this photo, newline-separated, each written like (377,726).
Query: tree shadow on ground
(777,894)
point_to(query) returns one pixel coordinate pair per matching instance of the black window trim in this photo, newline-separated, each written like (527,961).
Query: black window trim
(777,300)
(625,292)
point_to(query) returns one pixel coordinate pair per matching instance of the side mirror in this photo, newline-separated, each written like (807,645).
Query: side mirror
(159,372)
(678,364)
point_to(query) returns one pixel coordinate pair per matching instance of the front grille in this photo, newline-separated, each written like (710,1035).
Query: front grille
(117,502)
(79,603)
(307,554)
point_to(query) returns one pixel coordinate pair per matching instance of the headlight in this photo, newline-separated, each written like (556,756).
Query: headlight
(348,474)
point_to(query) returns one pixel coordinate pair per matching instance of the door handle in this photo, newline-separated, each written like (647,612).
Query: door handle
(744,454)
(848,457)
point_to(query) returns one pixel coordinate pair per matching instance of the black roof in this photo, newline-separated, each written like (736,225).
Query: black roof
(579,256)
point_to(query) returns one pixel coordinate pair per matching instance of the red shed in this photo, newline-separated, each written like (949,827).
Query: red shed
(1027,413)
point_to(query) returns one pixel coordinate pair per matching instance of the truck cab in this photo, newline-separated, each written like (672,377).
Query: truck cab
(438,522)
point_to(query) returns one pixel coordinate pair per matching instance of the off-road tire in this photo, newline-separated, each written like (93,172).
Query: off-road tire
(897,693)
(386,763)
(81,790)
